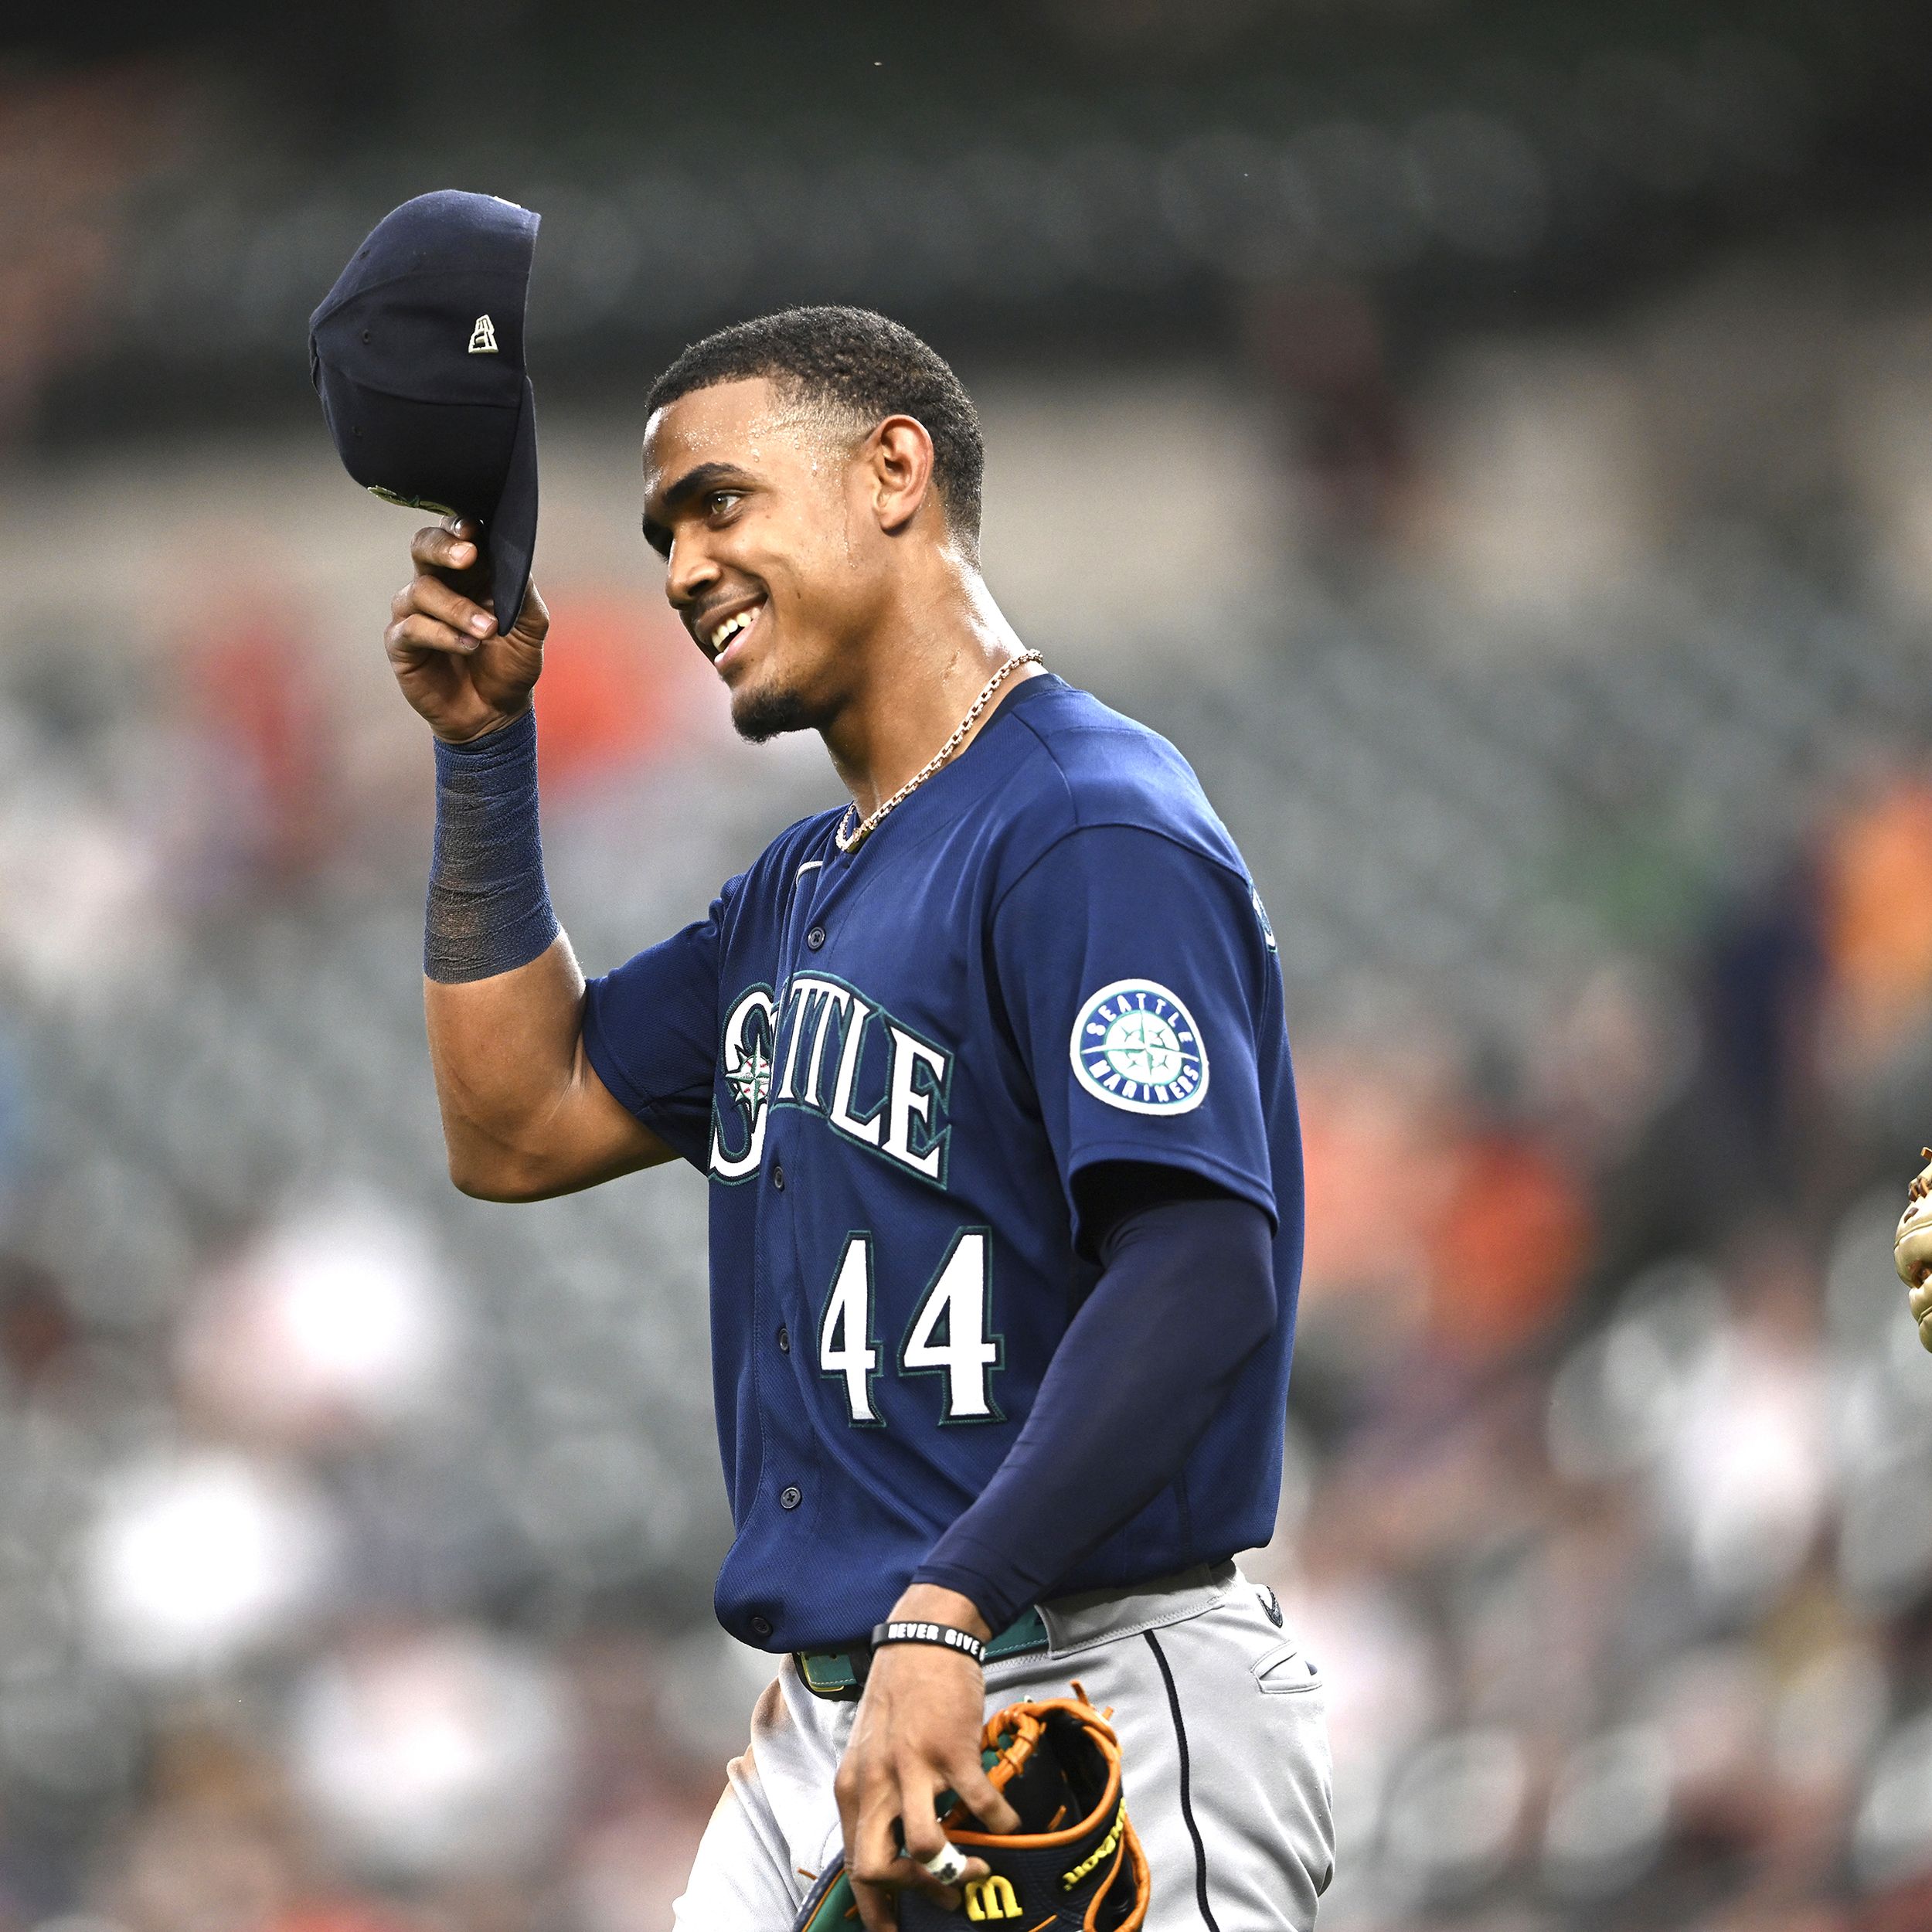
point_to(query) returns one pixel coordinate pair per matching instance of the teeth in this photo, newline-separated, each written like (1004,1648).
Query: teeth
(731,627)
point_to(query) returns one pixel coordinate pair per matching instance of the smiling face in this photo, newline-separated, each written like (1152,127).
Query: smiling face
(765,511)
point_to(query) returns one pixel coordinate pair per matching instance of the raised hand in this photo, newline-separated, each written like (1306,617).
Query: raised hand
(453,665)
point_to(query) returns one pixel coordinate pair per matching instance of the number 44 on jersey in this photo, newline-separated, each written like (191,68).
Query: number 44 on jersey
(950,1335)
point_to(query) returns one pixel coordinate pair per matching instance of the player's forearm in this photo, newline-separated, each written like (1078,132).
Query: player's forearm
(1132,1386)
(503,994)
(507,1057)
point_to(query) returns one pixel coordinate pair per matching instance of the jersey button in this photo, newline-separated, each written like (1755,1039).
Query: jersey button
(816,937)
(778,1176)
(761,1626)
(790,1496)
(784,1341)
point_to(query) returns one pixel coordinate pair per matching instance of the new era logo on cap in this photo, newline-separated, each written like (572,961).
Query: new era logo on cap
(483,337)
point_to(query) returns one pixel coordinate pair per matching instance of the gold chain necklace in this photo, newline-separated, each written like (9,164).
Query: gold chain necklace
(850,840)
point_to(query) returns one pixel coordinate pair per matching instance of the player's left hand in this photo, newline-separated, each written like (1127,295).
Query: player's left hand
(1912,1250)
(916,1735)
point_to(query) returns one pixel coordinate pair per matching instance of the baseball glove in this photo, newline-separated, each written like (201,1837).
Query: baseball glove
(1075,1862)
(1912,1248)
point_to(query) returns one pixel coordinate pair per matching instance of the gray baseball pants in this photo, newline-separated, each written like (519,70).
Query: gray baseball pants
(1223,1736)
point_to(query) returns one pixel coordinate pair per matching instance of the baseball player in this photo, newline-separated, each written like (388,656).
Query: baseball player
(987,1069)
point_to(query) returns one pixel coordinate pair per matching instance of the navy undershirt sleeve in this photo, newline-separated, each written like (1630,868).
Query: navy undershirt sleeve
(1186,1294)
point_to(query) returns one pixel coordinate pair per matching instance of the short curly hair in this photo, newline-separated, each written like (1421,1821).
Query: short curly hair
(866,367)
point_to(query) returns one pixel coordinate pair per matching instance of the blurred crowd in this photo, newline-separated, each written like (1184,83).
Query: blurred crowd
(1501,469)
(354,1560)
(1612,1533)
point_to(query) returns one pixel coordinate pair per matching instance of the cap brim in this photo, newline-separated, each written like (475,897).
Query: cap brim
(511,529)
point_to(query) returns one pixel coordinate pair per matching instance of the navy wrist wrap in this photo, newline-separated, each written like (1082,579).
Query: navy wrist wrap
(488,910)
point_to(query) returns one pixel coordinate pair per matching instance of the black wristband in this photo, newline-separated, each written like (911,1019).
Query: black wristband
(908,1631)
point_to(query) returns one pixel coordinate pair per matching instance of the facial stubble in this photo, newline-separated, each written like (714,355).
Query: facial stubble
(760,716)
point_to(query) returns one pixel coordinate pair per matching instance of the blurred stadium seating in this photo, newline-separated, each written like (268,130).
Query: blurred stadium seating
(1494,450)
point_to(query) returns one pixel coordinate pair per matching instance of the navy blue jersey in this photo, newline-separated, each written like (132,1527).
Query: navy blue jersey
(892,1065)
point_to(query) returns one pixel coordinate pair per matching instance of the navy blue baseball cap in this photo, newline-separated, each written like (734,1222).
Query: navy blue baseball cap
(417,354)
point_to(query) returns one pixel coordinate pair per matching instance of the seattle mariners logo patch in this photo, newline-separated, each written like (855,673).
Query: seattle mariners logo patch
(1135,1045)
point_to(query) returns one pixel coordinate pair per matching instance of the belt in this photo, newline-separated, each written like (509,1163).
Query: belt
(840,1675)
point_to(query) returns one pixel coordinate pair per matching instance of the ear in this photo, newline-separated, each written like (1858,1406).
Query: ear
(897,458)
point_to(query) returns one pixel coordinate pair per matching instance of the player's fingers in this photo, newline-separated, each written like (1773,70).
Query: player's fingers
(409,637)
(897,1831)
(922,1838)
(906,1875)
(446,546)
(868,1810)
(1925,1332)
(434,598)
(980,1796)
(872,1862)
(878,1907)
(846,1793)
(533,621)
(918,1821)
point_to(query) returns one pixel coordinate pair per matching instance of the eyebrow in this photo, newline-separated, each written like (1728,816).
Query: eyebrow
(693,483)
